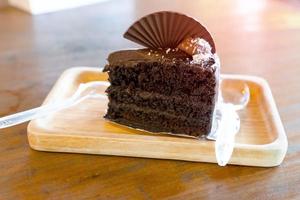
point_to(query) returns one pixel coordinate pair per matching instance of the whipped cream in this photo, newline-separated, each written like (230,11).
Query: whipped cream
(198,48)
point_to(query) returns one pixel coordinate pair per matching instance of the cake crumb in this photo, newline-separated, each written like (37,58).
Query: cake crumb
(168,50)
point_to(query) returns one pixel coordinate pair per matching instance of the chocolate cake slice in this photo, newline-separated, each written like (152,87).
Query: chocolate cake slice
(162,90)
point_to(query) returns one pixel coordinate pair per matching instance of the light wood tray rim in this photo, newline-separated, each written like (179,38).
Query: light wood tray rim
(279,145)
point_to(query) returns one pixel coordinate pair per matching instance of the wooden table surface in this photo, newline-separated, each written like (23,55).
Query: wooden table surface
(252,37)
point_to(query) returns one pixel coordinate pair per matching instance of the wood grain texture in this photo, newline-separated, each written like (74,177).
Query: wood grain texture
(3,3)
(82,128)
(257,38)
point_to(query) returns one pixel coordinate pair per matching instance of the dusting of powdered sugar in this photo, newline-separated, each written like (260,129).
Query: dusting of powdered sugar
(202,51)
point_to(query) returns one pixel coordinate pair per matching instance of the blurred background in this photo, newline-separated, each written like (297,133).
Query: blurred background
(244,31)
(39,39)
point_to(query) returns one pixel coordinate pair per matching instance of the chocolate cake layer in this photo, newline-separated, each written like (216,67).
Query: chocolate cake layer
(178,105)
(157,121)
(174,76)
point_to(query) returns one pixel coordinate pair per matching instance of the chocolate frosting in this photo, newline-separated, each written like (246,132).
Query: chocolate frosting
(134,56)
(130,58)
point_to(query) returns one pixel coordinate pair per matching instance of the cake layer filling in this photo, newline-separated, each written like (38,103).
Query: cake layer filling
(157,121)
(168,78)
(176,105)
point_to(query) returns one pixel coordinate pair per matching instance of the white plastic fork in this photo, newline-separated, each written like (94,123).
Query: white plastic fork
(228,120)
(94,89)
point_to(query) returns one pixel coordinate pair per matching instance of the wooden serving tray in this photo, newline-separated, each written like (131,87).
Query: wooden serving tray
(82,129)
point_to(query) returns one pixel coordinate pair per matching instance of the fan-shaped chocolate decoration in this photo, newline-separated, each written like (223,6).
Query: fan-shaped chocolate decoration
(166,29)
